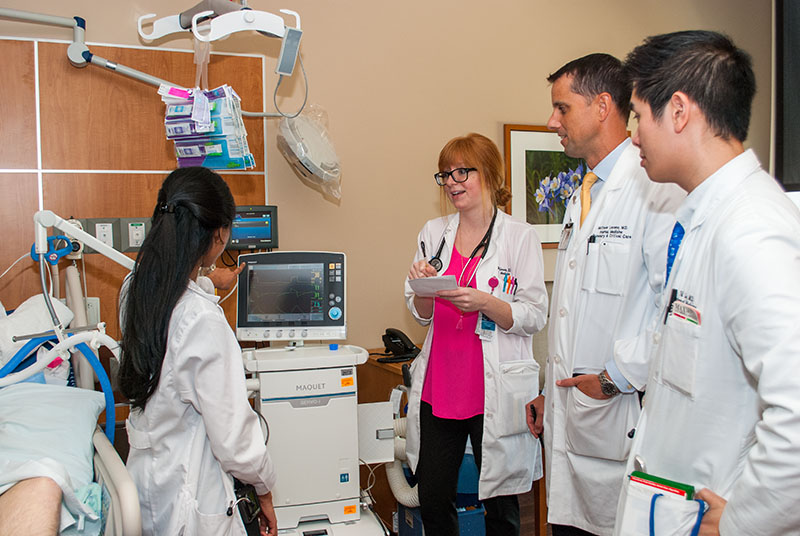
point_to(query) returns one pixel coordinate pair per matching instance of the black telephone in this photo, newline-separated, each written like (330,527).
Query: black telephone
(399,346)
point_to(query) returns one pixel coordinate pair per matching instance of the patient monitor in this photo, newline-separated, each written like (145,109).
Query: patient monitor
(291,296)
(308,393)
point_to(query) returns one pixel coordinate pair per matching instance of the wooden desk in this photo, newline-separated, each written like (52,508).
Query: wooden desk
(376,380)
(375,383)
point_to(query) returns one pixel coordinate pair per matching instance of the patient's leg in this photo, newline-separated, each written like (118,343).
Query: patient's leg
(31,507)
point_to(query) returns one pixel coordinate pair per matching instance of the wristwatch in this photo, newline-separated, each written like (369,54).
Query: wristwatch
(606,385)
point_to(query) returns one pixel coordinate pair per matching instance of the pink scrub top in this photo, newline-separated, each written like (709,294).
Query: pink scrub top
(454,378)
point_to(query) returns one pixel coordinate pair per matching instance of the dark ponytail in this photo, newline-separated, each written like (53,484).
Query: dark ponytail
(193,203)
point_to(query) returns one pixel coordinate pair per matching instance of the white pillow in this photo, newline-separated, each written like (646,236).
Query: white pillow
(31,316)
(50,421)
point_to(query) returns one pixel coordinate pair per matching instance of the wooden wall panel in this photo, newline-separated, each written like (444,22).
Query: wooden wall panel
(18,204)
(17,106)
(93,118)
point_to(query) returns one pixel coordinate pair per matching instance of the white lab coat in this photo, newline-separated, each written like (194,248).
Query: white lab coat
(722,408)
(604,293)
(197,430)
(510,456)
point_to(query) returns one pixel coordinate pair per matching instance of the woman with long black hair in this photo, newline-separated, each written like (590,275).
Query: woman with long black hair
(191,430)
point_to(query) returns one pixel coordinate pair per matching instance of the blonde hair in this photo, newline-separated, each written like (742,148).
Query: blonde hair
(478,151)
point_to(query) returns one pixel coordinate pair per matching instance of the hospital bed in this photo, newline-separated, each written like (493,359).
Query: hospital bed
(120,514)
(51,430)
(124,517)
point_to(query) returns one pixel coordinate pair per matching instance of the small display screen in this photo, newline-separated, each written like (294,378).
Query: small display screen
(254,227)
(285,293)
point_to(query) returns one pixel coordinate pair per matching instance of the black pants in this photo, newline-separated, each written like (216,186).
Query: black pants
(566,530)
(442,445)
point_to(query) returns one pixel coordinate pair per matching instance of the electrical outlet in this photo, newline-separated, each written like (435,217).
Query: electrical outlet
(104,229)
(132,233)
(136,234)
(105,233)
(93,311)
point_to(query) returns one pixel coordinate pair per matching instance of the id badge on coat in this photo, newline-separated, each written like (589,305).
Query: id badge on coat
(566,232)
(485,328)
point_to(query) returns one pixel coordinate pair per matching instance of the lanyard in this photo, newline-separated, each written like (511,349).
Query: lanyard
(436,260)
(484,243)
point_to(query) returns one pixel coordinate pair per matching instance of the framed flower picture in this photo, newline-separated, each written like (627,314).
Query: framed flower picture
(541,178)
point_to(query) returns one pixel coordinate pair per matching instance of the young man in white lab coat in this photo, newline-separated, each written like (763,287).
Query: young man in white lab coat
(722,409)
(609,273)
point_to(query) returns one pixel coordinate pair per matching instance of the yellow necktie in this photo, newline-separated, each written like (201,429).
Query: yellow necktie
(586,197)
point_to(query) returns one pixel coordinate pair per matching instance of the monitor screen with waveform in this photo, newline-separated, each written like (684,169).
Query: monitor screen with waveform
(283,292)
(291,296)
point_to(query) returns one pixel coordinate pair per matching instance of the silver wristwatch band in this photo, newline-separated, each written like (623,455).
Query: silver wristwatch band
(606,385)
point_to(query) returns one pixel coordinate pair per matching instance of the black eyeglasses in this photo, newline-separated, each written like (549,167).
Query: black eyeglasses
(459,175)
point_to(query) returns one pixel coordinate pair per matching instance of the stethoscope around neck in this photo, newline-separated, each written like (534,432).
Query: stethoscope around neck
(436,260)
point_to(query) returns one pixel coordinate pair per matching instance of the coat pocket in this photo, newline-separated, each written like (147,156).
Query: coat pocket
(679,348)
(666,513)
(612,267)
(599,428)
(197,523)
(519,383)
(606,266)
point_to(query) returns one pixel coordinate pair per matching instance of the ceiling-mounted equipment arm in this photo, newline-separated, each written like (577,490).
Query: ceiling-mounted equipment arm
(76,48)
(127,71)
(77,51)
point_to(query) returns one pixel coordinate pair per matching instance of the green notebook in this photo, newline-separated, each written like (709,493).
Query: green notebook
(663,484)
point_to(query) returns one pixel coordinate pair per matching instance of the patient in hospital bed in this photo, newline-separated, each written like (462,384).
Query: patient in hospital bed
(47,452)
(31,507)
(46,460)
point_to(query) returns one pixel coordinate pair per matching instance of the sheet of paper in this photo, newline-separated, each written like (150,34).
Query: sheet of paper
(428,286)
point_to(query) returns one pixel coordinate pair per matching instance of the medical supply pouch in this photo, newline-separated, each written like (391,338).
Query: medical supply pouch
(659,507)
(207,128)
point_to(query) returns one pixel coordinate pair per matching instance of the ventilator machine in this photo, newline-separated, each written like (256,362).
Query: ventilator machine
(307,393)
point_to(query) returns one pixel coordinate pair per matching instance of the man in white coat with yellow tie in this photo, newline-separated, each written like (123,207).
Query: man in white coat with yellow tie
(722,410)
(609,275)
